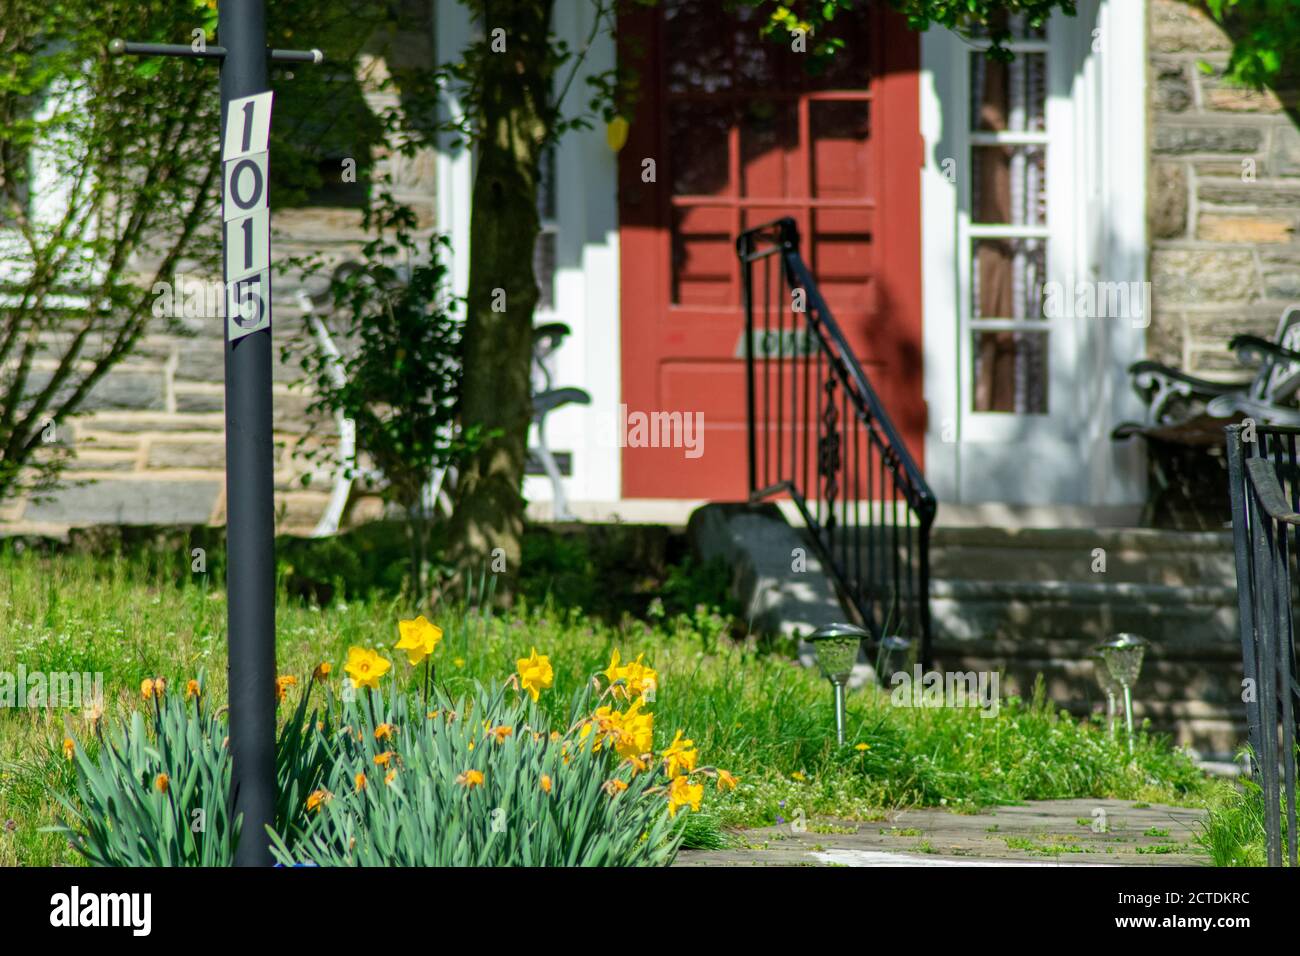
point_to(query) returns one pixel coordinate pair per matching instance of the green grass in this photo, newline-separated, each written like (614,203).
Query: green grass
(1233,833)
(749,711)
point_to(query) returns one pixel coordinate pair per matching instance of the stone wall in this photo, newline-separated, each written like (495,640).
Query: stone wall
(1223,198)
(150,446)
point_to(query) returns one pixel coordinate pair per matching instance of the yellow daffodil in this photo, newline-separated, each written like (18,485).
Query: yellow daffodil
(322,672)
(390,777)
(192,689)
(638,765)
(69,747)
(613,673)
(546,783)
(384,759)
(418,638)
(282,685)
(637,732)
(159,686)
(384,732)
(614,787)
(359,781)
(726,781)
(681,756)
(160,782)
(365,667)
(630,680)
(470,779)
(501,733)
(681,793)
(316,798)
(535,673)
(641,680)
(146,688)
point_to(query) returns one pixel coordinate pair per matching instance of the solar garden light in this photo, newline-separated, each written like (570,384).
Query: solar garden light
(1108,686)
(836,649)
(1123,657)
(896,654)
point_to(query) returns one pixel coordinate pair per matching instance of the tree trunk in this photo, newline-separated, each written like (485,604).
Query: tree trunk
(487,521)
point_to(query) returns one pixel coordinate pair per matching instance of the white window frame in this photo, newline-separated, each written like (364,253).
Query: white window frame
(1095,230)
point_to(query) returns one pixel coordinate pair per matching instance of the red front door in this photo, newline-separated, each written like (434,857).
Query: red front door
(739,133)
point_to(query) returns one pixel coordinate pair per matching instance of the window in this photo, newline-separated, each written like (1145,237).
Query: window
(544,252)
(1008,237)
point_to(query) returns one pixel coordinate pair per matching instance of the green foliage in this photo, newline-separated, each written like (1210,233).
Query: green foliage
(1233,832)
(153,792)
(1266,42)
(400,341)
(418,807)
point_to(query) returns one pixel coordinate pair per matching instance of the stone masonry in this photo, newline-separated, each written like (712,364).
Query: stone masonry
(1223,197)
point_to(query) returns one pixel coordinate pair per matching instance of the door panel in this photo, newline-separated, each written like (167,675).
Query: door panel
(741,134)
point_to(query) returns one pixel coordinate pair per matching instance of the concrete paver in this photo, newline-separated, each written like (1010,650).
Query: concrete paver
(1038,833)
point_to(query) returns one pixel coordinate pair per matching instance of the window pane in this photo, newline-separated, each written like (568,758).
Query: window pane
(544,270)
(1007,277)
(1010,372)
(1016,24)
(1009,185)
(840,133)
(697,49)
(769,143)
(698,141)
(546,186)
(1009,96)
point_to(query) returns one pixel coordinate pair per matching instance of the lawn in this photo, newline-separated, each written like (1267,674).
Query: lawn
(749,710)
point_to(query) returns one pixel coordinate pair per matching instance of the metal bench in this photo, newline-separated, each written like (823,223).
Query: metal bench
(1173,397)
(1186,416)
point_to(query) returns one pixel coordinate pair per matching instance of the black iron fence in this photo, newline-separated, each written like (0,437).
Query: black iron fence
(1265,489)
(819,435)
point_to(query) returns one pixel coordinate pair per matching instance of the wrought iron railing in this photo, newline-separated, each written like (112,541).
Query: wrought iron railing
(819,435)
(1264,481)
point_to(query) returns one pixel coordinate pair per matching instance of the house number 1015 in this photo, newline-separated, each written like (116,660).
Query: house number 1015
(246,215)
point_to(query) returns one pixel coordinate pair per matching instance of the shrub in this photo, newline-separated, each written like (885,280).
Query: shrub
(428,779)
(480,781)
(153,792)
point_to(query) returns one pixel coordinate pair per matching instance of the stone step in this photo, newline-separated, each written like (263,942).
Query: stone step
(1085,612)
(1137,556)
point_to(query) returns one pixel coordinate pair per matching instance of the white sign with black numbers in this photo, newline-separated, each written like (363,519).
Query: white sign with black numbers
(245,212)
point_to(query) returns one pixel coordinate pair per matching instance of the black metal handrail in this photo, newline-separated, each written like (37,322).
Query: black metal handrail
(1262,469)
(838,456)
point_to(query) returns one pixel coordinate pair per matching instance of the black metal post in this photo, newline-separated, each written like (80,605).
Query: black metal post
(250,502)
(250,487)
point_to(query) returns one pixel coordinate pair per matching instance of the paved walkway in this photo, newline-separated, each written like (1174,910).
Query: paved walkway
(1039,833)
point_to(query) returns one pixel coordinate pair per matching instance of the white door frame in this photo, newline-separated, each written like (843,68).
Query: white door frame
(1096,233)
(586,287)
